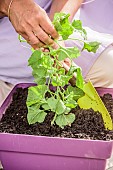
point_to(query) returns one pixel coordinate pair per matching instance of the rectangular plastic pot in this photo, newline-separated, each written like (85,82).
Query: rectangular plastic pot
(28,152)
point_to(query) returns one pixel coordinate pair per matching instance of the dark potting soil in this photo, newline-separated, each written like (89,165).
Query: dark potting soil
(87,125)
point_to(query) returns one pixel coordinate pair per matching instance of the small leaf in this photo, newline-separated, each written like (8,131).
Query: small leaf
(73,52)
(35,57)
(77,24)
(35,94)
(79,79)
(54,52)
(47,61)
(61,71)
(91,46)
(39,80)
(71,104)
(77,92)
(62,55)
(52,103)
(62,25)
(63,120)
(67,110)
(64,80)
(41,71)
(60,107)
(35,115)
(45,106)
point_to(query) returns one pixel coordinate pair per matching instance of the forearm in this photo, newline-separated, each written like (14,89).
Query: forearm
(4,7)
(65,6)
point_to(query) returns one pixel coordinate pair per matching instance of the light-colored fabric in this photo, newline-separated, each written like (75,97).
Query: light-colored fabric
(98,15)
(101,72)
(5,89)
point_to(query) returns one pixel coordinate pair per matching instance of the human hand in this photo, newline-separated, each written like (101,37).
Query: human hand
(32,23)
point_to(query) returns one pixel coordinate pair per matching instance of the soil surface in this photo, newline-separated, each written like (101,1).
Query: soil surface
(88,124)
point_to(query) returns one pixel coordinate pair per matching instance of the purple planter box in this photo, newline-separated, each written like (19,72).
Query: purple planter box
(28,152)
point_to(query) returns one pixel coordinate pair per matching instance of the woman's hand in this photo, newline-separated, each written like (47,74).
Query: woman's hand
(32,23)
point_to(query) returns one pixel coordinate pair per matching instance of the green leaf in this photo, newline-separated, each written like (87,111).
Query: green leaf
(60,107)
(60,80)
(63,120)
(41,71)
(67,110)
(62,55)
(77,92)
(91,46)
(79,79)
(72,70)
(47,61)
(71,104)
(77,24)
(62,25)
(45,106)
(54,81)
(35,94)
(64,79)
(52,103)
(61,71)
(54,52)
(73,52)
(34,59)
(39,80)
(35,115)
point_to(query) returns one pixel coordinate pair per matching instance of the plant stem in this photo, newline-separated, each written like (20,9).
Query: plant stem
(72,39)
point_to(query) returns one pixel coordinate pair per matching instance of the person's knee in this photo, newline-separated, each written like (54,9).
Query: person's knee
(101,74)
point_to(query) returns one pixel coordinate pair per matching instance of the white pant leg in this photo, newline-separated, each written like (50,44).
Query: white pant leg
(5,88)
(101,73)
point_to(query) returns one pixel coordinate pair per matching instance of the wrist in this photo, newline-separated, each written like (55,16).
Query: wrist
(4,4)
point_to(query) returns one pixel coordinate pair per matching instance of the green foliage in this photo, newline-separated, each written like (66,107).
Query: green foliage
(35,114)
(91,47)
(65,119)
(46,65)
(77,24)
(62,25)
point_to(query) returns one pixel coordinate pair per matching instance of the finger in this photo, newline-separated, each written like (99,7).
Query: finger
(45,50)
(37,46)
(48,27)
(67,61)
(25,36)
(65,65)
(34,41)
(55,46)
(43,36)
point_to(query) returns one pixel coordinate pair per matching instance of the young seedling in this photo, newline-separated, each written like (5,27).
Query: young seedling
(48,70)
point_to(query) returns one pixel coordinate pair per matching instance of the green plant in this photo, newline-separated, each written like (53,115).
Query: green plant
(47,69)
